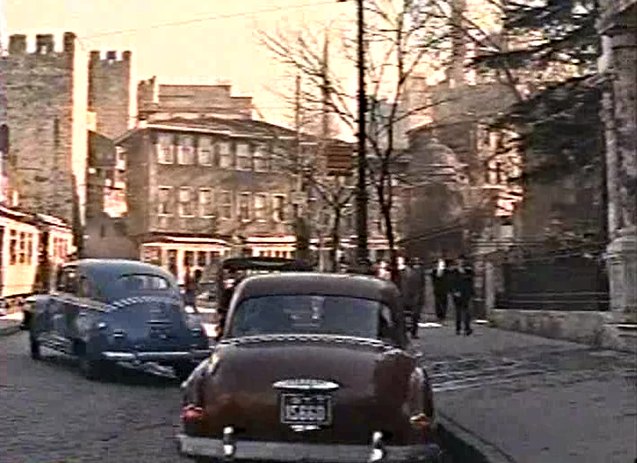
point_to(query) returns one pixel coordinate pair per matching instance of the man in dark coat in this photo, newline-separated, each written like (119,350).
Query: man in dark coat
(418,285)
(440,280)
(410,288)
(461,280)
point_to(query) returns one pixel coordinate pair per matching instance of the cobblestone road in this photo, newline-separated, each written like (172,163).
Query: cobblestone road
(50,414)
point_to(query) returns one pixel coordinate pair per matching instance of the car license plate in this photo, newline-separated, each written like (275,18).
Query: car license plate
(306,409)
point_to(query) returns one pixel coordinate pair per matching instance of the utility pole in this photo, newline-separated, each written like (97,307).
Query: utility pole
(301,228)
(361,193)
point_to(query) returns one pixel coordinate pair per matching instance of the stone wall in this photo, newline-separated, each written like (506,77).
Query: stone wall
(48,132)
(618,67)
(109,91)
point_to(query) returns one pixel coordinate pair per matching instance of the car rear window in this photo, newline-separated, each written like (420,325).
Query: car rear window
(141,282)
(307,314)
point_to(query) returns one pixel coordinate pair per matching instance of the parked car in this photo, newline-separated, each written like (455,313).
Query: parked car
(310,367)
(117,311)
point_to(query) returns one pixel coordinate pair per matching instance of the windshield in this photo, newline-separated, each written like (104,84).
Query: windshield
(306,314)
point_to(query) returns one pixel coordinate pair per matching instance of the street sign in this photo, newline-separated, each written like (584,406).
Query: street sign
(339,158)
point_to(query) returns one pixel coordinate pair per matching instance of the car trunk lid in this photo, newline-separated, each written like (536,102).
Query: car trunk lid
(309,388)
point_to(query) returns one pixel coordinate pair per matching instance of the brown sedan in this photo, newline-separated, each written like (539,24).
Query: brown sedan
(310,367)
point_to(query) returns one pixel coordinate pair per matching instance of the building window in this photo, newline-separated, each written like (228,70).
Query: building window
(189,257)
(278,208)
(260,206)
(165,153)
(186,151)
(201,258)
(226,205)
(213,257)
(205,151)
(244,207)
(164,200)
(244,160)
(261,163)
(206,206)
(185,202)
(225,155)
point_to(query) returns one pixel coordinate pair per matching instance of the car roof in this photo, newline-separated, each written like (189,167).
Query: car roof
(265,263)
(314,283)
(106,270)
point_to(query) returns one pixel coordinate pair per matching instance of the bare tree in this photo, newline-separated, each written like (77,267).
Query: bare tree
(400,36)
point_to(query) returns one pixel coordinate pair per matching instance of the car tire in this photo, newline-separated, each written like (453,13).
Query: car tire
(34,347)
(91,369)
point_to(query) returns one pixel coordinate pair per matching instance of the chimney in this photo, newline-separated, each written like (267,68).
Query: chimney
(17,44)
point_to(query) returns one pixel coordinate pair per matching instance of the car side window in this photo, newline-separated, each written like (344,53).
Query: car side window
(68,281)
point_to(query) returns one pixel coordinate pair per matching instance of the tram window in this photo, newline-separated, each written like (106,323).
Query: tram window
(201,258)
(13,247)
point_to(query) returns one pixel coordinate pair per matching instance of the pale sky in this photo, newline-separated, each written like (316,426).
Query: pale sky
(218,39)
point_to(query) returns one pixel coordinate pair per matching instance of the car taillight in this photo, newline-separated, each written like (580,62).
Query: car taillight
(191,413)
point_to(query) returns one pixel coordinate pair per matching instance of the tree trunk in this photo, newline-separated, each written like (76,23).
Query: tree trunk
(336,238)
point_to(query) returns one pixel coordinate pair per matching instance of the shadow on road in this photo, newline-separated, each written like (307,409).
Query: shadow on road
(155,376)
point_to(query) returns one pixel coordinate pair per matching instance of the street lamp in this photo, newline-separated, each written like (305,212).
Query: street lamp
(361,188)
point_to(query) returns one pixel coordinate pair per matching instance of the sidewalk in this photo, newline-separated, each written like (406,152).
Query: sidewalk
(10,324)
(526,399)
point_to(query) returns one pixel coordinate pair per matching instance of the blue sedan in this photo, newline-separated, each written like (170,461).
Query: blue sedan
(117,311)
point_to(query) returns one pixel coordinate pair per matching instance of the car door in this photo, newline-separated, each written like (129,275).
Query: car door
(63,306)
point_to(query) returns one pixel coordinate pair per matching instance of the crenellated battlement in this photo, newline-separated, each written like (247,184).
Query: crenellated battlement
(109,57)
(41,44)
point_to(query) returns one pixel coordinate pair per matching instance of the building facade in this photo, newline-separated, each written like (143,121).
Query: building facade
(200,189)
(618,65)
(46,113)
(157,101)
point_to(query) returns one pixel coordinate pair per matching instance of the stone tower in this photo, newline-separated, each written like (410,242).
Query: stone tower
(109,92)
(46,95)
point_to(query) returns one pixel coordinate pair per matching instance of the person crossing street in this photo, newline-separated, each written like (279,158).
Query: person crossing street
(461,285)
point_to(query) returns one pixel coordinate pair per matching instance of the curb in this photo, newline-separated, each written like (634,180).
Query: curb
(465,447)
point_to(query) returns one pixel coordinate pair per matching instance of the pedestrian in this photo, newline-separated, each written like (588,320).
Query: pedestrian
(190,289)
(440,280)
(462,291)
(416,293)
(409,292)
(420,276)
(382,271)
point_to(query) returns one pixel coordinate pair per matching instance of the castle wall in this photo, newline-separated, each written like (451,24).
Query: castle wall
(109,91)
(46,113)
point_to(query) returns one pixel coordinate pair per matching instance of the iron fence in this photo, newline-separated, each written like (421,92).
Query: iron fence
(575,282)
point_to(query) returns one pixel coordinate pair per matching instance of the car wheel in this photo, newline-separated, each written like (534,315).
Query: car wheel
(90,368)
(34,348)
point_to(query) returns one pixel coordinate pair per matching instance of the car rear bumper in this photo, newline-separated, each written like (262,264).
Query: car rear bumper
(288,452)
(166,356)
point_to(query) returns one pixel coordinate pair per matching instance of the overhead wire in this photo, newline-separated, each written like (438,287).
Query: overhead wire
(209,18)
